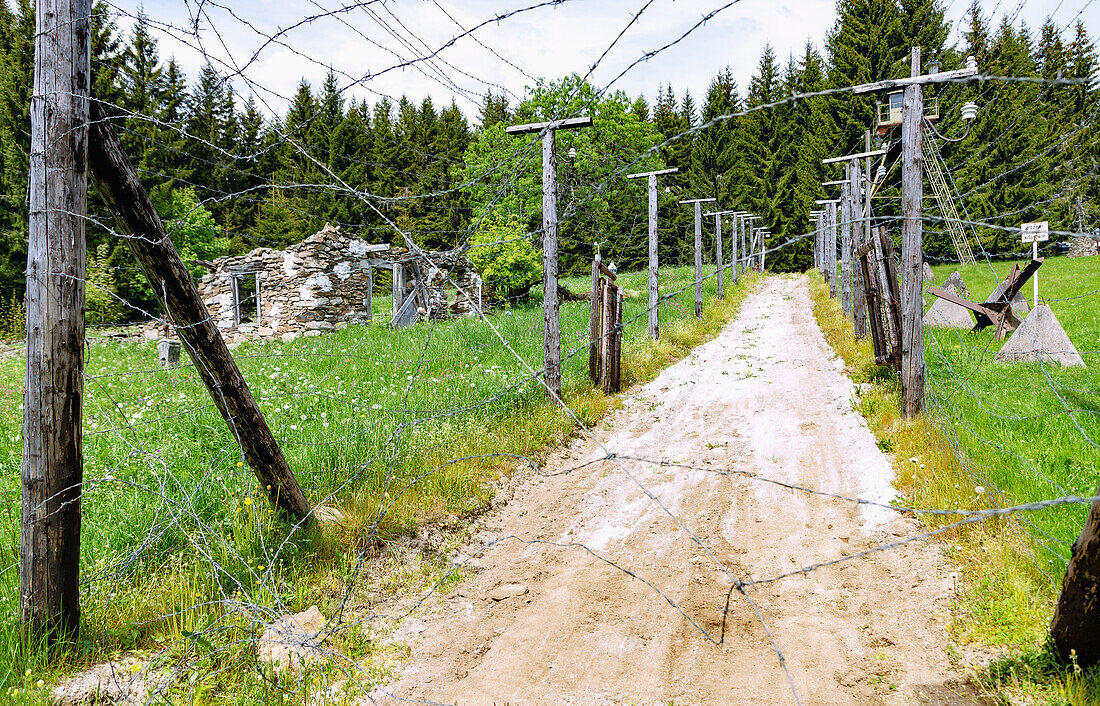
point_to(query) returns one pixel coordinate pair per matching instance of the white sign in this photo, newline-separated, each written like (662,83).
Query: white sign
(1035,232)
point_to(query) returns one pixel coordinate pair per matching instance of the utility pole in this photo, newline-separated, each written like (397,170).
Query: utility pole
(912,193)
(818,241)
(718,245)
(859,292)
(698,203)
(550,324)
(912,236)
(828,243)
(53,463)
(849,210)
(654,301)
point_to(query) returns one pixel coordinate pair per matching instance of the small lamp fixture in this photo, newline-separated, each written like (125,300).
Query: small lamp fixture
(969,111)
(613,268)
(934,65)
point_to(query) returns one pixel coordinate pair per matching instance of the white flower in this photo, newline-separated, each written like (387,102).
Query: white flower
(979,489)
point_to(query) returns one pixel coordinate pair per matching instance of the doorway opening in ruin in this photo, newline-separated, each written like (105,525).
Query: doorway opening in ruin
(246,297)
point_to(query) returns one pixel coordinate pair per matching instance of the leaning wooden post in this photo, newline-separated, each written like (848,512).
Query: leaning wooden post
(912,258)
(551,338)
(654,301)
(698,203)
(53,467)
(859,296)
(1075,626)
(119,184)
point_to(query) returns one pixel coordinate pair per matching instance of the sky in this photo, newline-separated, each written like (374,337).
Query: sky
(267,46)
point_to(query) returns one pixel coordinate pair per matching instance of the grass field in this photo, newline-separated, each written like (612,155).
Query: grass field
(394,428)
(994,436)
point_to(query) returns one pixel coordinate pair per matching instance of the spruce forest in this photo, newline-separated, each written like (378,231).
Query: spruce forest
(228,175)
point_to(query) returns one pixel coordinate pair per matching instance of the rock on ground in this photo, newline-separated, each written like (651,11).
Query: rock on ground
(293,640)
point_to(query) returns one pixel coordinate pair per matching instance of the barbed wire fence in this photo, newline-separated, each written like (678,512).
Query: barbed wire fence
(165,482)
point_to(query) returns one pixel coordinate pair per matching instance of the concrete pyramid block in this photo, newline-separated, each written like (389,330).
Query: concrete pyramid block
(929,275)
(955,285)
(1040,338)
(1019,304)
(945,314)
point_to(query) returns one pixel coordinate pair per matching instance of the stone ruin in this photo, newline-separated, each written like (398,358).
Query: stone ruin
(1083,247)
(329,280)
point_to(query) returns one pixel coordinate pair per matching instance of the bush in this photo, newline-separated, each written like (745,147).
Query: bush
(504,256)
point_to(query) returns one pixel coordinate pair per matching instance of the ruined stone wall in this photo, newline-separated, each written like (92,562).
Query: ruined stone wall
(1083,247)
(325,281)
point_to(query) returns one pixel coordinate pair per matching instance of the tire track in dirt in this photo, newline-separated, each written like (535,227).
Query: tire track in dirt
(548,624)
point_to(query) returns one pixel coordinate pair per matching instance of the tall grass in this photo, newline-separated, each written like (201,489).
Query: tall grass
(997,435)
(394,428)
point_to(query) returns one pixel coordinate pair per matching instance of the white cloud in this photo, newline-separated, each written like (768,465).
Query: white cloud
(544,42)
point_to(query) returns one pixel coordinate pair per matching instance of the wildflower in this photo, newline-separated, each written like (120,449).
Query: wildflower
(40,683)
(240,463)
(979,489)
(248,501)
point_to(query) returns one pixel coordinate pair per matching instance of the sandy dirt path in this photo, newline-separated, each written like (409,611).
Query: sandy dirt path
(553,623)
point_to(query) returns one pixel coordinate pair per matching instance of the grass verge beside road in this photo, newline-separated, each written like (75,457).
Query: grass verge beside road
(182,558)
(995,436)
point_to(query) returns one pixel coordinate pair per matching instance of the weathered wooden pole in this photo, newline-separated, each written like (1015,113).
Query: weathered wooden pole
(869,181)
(830,246)
(846,248)
(551,331)
(733,243)
(654,301)
(594,324)
(912,258)
(859,292)
(122,190)
(1075,626)
(53,466)
(718,260)
(718,247)
(764,233)
(698,203)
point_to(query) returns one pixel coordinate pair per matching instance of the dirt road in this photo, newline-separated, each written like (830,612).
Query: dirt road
(546,618)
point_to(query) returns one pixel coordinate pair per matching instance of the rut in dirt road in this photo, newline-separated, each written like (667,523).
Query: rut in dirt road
(545,620)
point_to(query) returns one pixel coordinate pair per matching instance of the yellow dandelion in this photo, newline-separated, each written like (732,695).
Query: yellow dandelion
(269,487)
(240,463)
(28,672)
(40,683)
(248,501)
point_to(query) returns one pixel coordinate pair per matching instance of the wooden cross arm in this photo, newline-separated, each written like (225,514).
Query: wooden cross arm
(566,124)
(1017,284)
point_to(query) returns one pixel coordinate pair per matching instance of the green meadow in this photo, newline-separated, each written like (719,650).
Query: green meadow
(395,429)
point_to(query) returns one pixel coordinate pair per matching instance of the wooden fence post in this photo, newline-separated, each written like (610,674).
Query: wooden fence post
(654,294)
(733,244)
(830,247)
(119,184)
(551,331)
(859,297)
(846,247)
(52,468)
(698,203)
(718,261)
(912,259)
(1075,626)
(594,326)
